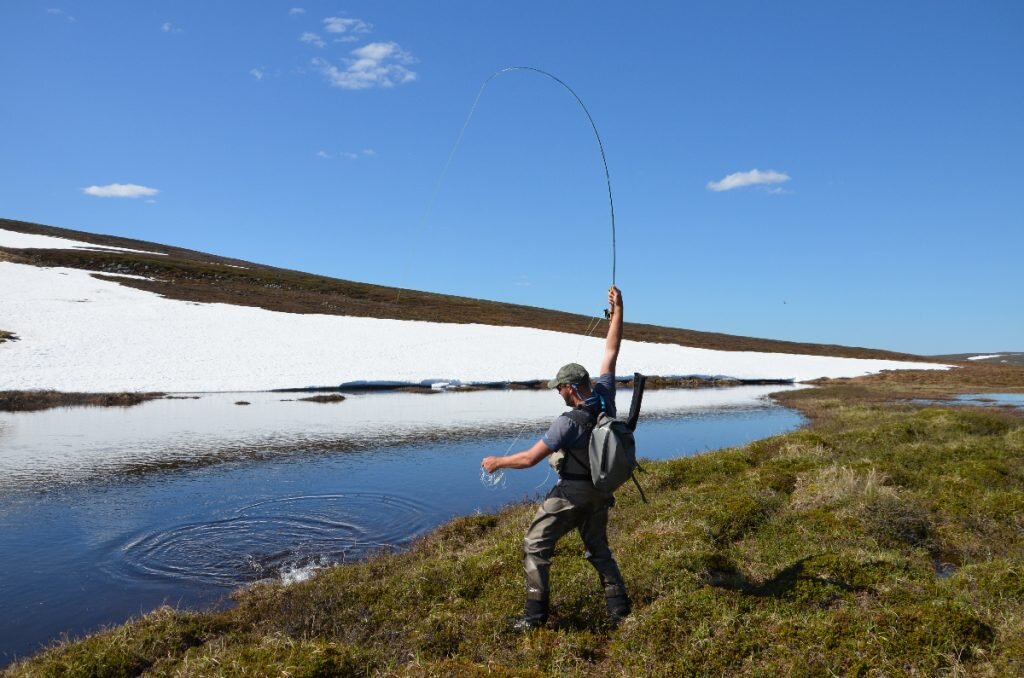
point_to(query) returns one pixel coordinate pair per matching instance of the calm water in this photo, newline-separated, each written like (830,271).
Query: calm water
(108,513)
(981,400)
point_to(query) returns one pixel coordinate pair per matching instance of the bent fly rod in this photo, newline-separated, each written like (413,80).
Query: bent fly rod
(593,126)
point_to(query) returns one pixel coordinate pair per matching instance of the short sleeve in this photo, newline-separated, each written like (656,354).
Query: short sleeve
(604,386)
(562,433)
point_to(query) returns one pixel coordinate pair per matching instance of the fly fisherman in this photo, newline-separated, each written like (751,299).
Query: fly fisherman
(574,502)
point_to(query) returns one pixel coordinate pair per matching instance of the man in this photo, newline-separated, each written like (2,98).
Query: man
(574,502)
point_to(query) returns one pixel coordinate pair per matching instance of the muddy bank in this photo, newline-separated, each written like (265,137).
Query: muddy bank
(33,401)
(653,383)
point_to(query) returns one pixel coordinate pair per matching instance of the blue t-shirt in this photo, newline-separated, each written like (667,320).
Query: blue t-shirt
(565,433)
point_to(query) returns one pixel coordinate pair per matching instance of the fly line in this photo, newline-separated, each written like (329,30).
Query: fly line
(590,118)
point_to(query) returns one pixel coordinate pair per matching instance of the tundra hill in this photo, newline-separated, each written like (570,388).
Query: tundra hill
(995,357)
(189,275)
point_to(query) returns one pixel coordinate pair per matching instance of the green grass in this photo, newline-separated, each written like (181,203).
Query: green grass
(885,539)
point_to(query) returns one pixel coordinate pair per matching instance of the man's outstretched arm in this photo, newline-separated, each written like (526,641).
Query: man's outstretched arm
(614,340)
(524,459)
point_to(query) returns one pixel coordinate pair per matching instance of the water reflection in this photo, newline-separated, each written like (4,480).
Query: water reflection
(44,450)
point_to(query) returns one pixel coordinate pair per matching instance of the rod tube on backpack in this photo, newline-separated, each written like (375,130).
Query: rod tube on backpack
(639,381)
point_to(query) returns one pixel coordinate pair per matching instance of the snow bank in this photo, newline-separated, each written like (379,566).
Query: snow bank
(985,357)
(78,333)
(24,241)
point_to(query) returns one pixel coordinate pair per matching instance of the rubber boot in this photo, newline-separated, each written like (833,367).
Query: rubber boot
(534,616)
(619,607)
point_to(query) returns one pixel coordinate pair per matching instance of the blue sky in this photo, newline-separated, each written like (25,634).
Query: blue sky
(888,138)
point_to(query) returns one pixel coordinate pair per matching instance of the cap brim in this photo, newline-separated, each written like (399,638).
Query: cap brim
(553,383)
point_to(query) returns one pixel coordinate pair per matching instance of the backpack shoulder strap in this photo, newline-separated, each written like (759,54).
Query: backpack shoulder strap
(581,417)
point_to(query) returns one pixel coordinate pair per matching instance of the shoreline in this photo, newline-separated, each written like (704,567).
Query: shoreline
(33,400)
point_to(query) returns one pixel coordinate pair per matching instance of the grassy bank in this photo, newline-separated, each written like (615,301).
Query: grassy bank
(7,336)
(32,401)
(886,538)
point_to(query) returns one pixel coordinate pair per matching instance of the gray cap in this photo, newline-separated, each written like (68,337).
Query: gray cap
(573,373)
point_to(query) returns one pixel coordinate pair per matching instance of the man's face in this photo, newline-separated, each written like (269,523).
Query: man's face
(565,391)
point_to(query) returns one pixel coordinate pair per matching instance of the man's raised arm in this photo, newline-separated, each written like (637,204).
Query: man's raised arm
(614,340)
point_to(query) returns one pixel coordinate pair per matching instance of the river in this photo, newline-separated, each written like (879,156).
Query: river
(106,513)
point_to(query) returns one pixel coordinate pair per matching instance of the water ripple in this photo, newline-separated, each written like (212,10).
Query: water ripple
(281,538)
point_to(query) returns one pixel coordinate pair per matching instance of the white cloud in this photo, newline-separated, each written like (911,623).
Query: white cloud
(378,64)
(120,191)
(754,177)
(61,13)
(351,155)
(256,73)
(168,27)
(296,10)
(312,39)
(335,24)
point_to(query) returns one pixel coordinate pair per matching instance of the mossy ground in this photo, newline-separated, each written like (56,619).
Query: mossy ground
(887,538)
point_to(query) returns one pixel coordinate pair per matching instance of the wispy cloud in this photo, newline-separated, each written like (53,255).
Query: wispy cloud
(351,155)
(336,24)
(312,39)
(296,10)
(256,73)
(378,64)
(754,177)
(120,191)
(56,11)
(168,27)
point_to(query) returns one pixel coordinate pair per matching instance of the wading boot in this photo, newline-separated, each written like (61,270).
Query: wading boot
(619,608)
(533,617)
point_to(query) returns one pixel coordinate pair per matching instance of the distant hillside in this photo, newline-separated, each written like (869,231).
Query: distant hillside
(996,357)
(195,276)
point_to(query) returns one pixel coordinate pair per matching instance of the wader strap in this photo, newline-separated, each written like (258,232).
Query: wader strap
(637,483)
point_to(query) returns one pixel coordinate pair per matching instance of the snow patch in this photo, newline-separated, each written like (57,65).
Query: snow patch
(122,275)
(133,340)
(986,357)
(24,241)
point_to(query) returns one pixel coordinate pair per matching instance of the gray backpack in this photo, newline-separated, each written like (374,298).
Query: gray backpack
(612,448)
(612,452)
